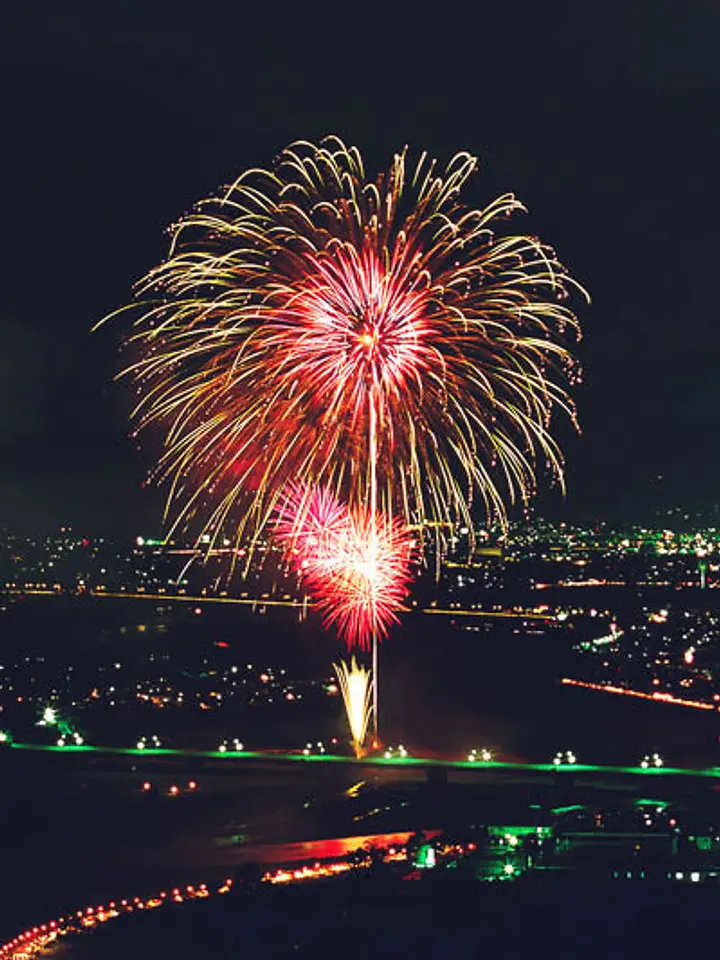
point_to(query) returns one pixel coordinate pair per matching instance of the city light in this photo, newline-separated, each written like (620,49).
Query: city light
(49,717)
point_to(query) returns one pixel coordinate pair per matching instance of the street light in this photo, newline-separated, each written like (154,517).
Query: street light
(651,760)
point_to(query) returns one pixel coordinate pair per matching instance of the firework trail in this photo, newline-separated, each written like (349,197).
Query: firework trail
(308,313)
(356,565)
(356,687)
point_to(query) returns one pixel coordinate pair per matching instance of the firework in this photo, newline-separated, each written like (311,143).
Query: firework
(312,325)
(355,684)
(355,564)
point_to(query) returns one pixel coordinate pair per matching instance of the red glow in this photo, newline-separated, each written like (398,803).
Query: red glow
(354,564)
(370,316)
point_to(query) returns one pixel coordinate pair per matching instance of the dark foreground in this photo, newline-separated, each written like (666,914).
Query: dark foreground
(441,915)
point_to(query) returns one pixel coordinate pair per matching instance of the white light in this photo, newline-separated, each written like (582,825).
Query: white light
(695,877)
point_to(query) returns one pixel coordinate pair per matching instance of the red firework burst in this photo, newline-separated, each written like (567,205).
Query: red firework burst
(355,565)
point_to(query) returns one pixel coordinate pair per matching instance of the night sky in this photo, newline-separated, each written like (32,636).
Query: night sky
(603,118)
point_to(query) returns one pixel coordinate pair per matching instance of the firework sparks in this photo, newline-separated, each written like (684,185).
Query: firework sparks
(307,305)
(355,564)
(356,686)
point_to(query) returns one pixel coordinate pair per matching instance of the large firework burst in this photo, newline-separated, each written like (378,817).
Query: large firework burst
(308,313)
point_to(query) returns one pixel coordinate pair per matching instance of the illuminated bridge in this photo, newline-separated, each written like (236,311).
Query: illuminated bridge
(248,758)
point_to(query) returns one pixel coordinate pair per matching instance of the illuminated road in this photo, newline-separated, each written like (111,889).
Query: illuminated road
(269,602)
(655,697)
(419,763)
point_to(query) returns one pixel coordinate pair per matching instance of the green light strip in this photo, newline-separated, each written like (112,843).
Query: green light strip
(566,769)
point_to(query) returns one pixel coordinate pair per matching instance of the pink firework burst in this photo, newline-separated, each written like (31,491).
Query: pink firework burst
(355,565)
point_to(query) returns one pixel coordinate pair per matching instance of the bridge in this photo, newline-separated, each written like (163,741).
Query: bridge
(249,757)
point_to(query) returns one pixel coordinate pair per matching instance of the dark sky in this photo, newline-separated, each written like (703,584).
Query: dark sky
(603,118)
